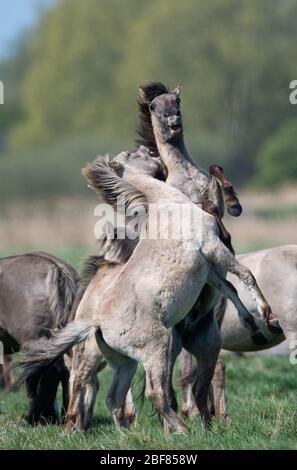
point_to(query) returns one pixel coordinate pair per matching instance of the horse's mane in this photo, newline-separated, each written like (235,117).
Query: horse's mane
(144,123)
(110,186)
(91,265)
(117,249)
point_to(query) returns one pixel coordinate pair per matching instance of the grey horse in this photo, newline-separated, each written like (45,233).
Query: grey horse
(153,292)
(37,291)
(114,253)
(160,116)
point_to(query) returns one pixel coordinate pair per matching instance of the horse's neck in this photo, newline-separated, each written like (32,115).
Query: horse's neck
(183,173)
(154,190)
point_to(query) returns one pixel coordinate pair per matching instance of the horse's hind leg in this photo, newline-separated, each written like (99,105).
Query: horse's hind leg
(153,350)
(64,377)
(119,399)
(123,370)
(158,376)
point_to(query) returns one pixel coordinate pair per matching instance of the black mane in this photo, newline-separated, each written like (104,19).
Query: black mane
(144,124)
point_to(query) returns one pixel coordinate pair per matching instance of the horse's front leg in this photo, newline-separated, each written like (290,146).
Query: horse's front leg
(187,377)
(217,254)
(218,399)
(229,291)
(213,210)
(231,200)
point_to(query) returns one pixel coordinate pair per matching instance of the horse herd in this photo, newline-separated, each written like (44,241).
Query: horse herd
(147,300)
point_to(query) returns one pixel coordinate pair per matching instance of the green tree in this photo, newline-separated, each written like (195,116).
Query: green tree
(71,84)
(12,73)
(277,160)
(234,59)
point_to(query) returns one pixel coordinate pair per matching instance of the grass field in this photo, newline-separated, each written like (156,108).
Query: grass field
(262,408)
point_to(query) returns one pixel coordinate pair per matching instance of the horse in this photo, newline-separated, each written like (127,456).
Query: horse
(276,272)
(212,191)
(37,291)
(198,185)
(135,325)
(161,128)
(113,254)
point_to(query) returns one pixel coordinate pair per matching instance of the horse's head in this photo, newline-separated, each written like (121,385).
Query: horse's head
(140,160)
(164,110)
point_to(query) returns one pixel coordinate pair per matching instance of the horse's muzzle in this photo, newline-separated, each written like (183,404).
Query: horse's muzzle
(175,124)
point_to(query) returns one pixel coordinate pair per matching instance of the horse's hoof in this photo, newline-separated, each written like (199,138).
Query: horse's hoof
(235,210)
(181,429)
(274,327)
(259,339)
(189,412)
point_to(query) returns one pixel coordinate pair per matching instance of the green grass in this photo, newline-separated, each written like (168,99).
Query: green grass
(262,408)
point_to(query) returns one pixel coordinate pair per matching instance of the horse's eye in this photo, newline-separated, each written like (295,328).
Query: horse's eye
(178,101)
(152,106)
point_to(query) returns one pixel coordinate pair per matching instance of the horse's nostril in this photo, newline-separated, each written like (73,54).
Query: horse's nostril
(174,120)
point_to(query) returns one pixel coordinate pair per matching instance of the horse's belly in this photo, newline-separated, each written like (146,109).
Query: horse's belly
(176,305)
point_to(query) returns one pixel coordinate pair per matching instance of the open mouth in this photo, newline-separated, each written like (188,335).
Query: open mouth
(176,129)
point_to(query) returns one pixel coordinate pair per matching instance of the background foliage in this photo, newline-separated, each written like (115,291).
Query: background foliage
(71,87)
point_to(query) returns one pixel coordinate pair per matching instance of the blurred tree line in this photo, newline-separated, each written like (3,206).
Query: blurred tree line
(71,87)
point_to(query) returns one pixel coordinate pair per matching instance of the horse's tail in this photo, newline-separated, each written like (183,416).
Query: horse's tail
(41,353)
(63,283)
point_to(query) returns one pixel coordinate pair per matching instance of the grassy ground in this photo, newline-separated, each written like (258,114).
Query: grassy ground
(262,408)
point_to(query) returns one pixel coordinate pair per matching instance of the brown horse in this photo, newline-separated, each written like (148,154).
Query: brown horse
(36,295)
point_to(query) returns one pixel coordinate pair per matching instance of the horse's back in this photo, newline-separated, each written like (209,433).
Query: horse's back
(26,290)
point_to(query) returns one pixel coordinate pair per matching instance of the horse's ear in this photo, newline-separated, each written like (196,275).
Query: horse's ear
(142,96)
(177,90)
